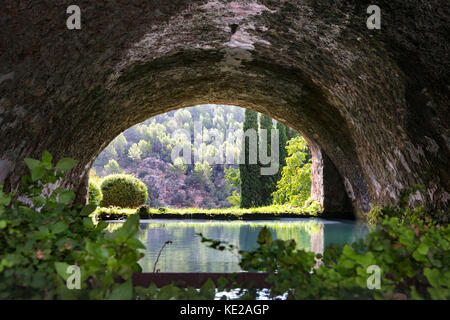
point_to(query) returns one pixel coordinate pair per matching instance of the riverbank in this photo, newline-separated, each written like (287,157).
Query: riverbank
(259,213)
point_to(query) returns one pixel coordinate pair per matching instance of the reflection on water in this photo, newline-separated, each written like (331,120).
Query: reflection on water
(188,254)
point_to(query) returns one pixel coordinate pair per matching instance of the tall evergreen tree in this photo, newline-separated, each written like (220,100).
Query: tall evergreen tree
(268,182)
(250,173)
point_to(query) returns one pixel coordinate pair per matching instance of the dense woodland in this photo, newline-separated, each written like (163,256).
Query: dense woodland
(144,151)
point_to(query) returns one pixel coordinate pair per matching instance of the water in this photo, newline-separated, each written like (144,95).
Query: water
(187,254)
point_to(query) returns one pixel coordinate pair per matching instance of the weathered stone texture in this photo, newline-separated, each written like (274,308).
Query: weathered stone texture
(327,186)
(374,101)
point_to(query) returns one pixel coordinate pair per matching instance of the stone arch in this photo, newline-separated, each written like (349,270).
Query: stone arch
(381,119)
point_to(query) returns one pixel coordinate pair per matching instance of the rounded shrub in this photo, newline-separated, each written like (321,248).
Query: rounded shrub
(121,190)
(95,194)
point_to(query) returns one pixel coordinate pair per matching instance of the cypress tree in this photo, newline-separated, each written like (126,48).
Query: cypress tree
(250,173)
(268,182)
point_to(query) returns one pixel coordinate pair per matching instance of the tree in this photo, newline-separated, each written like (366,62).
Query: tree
(145,147)
(250,173)
(234,199)
(112,167)
(183,116)
(158,136)
(268,182)
(202,174)
(108,153)
(178,166)
(134,152)
(233,176)
(120,143)
(294,186)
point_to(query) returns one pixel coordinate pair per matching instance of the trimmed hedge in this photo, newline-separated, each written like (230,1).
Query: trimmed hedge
(125,191)
(95,194)
(278,211)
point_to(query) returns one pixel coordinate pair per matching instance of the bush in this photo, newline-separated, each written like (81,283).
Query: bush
(95,194)
(123,191)
(42,237)
(235,199)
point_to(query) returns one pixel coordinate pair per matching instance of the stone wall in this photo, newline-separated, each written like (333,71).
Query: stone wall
(327,186)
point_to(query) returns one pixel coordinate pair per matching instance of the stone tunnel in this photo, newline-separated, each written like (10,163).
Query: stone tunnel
(373,104)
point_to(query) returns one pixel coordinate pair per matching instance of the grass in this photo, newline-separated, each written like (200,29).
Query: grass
(114,213)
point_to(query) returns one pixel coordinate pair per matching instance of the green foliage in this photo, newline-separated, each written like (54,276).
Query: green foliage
(109,153)
(233,176)
(173,292)
(44,235)
(157,137)
(264,237)
(257,189)
(39,246)
(135,152)
(294,187)
(112,167)
(183,116)
(414,262)
(405,210)
(145,148)
(120,143)
(93,177)
(116,213)
(43,170)
(202,174)
(250,173)
(178,166)
(123,191)
(235,199)
(95,194)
